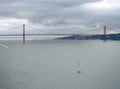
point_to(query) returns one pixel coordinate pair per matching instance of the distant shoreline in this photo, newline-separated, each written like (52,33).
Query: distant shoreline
(92,37)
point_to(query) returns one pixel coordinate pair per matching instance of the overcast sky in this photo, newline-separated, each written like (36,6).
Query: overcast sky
(62,16)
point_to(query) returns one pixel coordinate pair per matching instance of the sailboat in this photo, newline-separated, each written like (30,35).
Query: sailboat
(78,70)
(78,62)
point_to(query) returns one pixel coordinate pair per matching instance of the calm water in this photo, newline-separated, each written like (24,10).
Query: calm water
(53,64)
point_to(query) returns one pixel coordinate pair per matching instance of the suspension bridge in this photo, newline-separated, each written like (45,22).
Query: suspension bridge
(24,33)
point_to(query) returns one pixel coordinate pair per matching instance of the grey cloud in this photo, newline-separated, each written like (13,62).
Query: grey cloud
(53,13)
(37,7)
(111,19)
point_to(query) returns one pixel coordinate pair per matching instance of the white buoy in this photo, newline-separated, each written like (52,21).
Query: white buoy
(72,50)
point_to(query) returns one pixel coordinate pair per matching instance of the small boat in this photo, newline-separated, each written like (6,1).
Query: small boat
(78,71)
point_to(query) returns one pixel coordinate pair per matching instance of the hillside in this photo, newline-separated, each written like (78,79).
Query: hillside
(92,37)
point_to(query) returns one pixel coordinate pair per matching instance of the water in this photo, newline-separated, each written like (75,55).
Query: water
(53,64)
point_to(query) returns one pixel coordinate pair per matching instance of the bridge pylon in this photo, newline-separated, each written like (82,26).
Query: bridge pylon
(23,33)
(105,35)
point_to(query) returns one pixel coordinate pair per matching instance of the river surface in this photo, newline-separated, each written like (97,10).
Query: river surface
(53,64)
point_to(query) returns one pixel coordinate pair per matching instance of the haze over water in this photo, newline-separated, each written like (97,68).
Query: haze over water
(52,64)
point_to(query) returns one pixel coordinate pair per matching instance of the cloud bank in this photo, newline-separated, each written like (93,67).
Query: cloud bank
(62,16)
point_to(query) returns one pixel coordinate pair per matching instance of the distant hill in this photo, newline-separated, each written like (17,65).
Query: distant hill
(92,37)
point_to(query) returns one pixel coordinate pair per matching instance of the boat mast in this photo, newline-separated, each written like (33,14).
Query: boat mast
(78,70)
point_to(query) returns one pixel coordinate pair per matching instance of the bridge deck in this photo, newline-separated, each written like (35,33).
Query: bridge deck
(44,34)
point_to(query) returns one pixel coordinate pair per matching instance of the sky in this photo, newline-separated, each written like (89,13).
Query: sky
(59,16)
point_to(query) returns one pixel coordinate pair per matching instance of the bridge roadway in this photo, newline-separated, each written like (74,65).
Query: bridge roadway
(43,34)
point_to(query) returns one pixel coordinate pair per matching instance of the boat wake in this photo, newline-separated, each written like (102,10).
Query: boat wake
(5,46)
